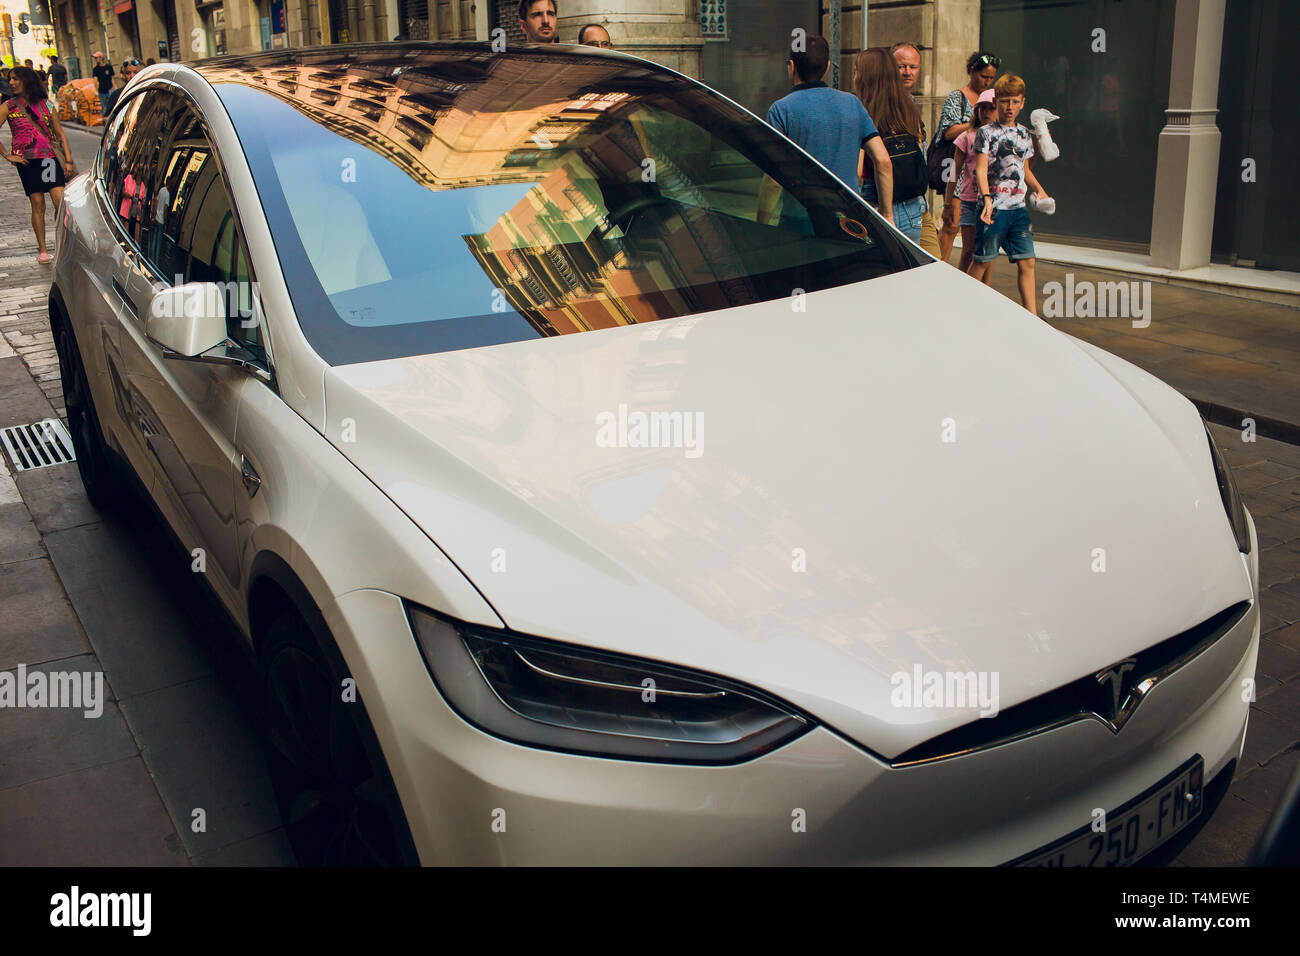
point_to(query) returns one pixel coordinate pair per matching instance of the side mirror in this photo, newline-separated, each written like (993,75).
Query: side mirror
(188,319)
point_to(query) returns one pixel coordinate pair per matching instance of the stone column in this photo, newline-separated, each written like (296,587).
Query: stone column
(389,22)
(369,25)
(1187,164)
(151,27)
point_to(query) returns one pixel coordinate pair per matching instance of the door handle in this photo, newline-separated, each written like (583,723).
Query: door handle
(249,476)
(125,297)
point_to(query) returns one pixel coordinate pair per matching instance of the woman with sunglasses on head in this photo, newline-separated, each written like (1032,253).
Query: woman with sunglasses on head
(38,142)
(958,109)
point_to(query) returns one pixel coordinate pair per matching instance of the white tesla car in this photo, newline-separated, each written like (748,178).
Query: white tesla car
(576,516)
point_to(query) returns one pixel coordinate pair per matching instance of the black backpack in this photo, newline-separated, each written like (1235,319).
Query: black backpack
(941,158)
(940,161)
(910,175)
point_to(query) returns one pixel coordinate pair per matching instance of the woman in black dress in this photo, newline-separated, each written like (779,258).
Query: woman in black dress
(38,143)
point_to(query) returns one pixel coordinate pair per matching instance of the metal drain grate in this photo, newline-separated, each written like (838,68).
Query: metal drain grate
(38,445)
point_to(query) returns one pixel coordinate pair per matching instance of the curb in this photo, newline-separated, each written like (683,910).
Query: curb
(1265,425)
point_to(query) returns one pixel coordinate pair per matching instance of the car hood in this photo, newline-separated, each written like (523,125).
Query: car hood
(907,472)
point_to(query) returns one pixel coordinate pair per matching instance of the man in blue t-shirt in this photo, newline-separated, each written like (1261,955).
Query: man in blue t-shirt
(831,125)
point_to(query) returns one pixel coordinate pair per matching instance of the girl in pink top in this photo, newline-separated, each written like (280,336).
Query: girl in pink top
(36,131)
(963,178)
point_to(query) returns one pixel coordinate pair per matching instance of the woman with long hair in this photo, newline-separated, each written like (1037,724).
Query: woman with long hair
(37,139)
(877,83)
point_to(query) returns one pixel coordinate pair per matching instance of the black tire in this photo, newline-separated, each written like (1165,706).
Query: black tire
(334,791)
(100,474)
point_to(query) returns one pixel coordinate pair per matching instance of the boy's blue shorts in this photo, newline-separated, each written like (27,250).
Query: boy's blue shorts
(1010,230)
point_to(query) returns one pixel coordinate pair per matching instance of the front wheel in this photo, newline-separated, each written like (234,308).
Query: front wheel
(99,472)
(338,803)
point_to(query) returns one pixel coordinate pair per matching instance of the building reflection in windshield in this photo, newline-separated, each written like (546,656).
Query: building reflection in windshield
(557,256)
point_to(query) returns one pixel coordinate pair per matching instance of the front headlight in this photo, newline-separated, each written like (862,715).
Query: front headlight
(1231,496)
(561,697)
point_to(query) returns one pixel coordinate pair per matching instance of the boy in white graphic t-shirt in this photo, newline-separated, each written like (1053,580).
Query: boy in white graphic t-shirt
(1002,151)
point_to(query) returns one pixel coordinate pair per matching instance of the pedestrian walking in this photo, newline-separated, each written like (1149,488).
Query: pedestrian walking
(831,125)
(58,75)
(39,148)
(962,184)
(129,69)
(908,58)
(103,73)
(1002,151)
(877,83)
(958,108)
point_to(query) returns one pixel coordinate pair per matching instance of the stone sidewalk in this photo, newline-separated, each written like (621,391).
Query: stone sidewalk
(1234,357)
(73,790)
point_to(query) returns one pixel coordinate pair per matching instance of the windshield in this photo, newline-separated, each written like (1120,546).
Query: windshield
(456,199)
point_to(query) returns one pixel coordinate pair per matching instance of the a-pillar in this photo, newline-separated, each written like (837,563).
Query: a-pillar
(1187,164)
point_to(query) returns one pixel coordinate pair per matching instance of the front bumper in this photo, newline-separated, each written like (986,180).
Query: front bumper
(471,798)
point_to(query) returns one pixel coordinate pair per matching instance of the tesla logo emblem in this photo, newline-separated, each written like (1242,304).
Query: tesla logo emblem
(1114,677)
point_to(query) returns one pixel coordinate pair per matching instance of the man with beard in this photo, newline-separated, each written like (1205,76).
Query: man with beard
(538,20)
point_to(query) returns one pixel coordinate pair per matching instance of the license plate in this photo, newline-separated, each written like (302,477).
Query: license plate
(1135,829)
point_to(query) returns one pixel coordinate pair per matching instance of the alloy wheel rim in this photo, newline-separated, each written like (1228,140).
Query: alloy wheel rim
(332,800)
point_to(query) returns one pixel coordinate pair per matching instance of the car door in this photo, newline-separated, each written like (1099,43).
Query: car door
(110,256)
(188,409)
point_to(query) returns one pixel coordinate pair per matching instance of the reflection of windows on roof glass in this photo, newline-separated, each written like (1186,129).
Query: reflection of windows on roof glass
(580,201)
(597,102)
(524,157)
(557,131)
(417,134)
(368,108)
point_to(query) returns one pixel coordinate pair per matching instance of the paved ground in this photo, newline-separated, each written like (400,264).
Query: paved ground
(1221,351)
(79,591)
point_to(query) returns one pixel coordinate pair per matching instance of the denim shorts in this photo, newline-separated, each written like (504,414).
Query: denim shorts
(970,214)
(907,214)
(907,217)
(1010,231)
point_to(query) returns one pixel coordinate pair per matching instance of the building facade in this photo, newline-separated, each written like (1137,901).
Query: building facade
(1170,141)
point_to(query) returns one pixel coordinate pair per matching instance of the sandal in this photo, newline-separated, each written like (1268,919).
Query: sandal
(44,257)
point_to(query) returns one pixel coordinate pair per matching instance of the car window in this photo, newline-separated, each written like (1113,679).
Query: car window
(210,236)
(116,152)
(134,161)
(198,238)
(108,147)
(609,195)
